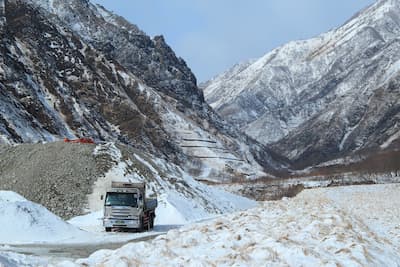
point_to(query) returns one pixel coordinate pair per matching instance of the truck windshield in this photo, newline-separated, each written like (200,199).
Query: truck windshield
(121,199)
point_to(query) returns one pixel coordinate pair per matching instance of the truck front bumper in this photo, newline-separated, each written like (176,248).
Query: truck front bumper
(121,223)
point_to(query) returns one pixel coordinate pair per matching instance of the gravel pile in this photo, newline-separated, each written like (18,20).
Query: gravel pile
(57,175)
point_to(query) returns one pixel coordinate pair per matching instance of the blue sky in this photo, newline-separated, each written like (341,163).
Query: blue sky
(213,35)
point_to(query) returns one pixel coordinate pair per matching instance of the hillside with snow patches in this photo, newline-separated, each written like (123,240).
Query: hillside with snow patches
(326,97)
(72,68)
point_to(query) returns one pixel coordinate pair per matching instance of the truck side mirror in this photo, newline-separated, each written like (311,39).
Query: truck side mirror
(101,197)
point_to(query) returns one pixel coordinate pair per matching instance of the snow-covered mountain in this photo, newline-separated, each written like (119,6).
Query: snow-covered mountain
(71,68)
(321,98)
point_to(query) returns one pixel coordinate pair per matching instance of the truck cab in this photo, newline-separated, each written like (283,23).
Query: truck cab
(126,207)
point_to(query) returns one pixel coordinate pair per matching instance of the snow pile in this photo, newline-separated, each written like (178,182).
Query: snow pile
(91,222)
(23,221)
(313,229)
(167,214)
(10,259)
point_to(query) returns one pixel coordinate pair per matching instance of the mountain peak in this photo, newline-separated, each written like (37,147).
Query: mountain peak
(376,11)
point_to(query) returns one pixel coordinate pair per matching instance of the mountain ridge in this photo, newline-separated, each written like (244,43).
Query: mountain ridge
(307,98)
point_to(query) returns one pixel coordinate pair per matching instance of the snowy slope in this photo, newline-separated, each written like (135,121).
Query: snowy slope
(23,221)
(316,228)
(322,97)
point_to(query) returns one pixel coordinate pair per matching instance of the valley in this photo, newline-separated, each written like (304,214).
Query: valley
(286,160)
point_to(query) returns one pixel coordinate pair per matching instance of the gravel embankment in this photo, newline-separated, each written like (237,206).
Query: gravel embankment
(57,175)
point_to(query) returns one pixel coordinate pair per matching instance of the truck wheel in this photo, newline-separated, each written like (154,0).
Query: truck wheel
(108,229)
(151,222)
(141,227)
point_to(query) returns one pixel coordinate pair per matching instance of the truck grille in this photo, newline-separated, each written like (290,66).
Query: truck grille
(121,213)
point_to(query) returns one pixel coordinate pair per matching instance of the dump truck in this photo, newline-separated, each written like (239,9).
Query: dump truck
(127,207)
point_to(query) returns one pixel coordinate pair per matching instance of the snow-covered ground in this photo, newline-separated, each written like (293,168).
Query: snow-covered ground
(30,228)
(342,226)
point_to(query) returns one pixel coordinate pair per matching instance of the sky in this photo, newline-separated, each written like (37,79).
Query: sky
(213,35)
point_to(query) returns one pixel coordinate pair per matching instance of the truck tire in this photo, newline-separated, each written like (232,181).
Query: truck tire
(141,227)
(151,222)
(108,229)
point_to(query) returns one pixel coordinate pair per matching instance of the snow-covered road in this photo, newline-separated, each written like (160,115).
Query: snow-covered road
(56,252)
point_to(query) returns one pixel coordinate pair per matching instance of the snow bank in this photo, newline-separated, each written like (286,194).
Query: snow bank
(10,259)
(9,196)
(23,221)
(91,222)
(313,229)
(167,214)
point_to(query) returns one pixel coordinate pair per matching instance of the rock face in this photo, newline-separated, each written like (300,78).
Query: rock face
(322,98)
(151,60)
(71,69)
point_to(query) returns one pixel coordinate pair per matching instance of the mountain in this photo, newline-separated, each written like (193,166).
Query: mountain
(72,68)
(151,60)
(323,98)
